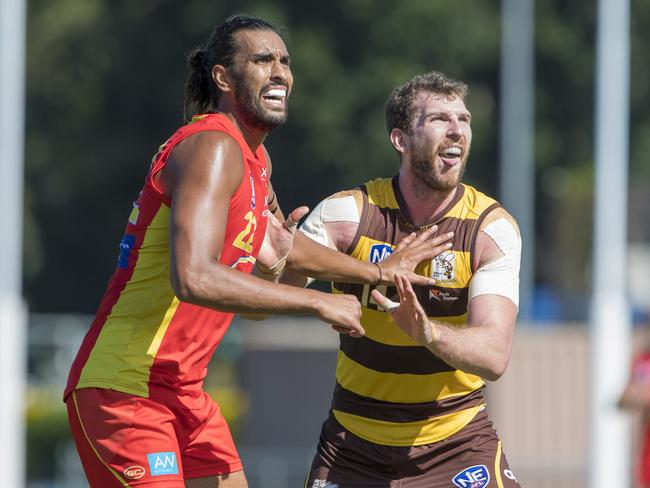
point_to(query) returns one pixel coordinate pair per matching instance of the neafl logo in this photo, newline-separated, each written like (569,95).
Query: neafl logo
(134,472)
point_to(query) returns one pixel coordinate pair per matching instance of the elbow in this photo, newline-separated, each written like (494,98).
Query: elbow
(187,286)
(492,375)
(182,286)
(496,369)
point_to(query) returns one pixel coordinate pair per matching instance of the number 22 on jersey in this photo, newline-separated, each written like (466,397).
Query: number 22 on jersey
(244,239)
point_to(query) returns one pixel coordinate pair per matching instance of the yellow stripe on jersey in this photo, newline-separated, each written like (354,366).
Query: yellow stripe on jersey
(243,260)
(402,387)
(384,330)
(128,343)
(407,433)
(160,333)
(497,466)
(378,196)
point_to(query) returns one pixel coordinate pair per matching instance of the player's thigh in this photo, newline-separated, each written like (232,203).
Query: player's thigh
(343,460)
(210,451)
(124,440)
(228,480)
(478,466)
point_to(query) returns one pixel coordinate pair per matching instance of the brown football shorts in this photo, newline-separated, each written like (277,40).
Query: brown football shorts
(471,458)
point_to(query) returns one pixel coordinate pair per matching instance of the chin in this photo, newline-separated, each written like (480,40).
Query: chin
(267,122)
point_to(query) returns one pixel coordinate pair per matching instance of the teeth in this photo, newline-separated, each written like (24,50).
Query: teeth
(276,92)
(453,151)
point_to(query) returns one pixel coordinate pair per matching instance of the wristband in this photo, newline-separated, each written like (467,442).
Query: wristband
(380,274)
(276,269)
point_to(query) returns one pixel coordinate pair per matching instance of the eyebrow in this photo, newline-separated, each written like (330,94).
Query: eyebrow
(463,113)
(268,56)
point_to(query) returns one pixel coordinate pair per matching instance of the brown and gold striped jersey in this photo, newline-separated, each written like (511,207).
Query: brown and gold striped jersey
(390,390)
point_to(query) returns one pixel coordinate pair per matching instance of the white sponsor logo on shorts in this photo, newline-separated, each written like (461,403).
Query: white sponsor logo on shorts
(473,477)
(510,475)
(323,484)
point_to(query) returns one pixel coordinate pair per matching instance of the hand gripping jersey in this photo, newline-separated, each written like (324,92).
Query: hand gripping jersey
(390,390)
(142,334)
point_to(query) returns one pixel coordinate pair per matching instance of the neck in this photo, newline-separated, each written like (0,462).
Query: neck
(423,203)
(254,137)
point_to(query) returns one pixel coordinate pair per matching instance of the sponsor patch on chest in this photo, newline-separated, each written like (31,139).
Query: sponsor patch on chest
(443,267)
(379,252)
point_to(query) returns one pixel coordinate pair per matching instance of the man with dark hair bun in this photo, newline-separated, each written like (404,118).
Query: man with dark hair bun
(207,214)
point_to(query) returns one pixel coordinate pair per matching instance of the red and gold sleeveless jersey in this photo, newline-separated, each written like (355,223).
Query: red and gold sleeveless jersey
(142,334)
(390,390)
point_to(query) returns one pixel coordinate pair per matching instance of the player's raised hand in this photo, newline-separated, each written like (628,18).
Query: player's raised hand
(408,313)
(278,240)
(410,252)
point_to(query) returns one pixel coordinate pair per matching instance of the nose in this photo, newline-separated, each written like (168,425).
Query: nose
(454,131)
(280,72)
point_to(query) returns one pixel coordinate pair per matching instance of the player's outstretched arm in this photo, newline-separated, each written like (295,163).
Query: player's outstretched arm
(483,345)
(332,226)
(481,348)
(200,177)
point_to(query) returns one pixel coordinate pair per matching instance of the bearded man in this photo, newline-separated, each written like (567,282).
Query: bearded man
(408,407)
(135,398)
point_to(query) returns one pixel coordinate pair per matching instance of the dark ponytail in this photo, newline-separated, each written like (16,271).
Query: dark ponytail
(201,93)
(199,85)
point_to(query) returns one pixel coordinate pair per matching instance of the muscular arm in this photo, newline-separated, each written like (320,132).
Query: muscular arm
(331,229)
(636,395)
(200,177)
(483,346)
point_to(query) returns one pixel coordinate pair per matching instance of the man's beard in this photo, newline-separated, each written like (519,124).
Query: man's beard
(424,167)
(252,111)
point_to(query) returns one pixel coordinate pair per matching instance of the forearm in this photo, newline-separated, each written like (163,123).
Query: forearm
(309,258)
(636,396)
(286,277)
(221,288)
(475,350)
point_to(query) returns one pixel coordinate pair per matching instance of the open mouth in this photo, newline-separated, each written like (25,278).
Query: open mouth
(275,97)
(451,155)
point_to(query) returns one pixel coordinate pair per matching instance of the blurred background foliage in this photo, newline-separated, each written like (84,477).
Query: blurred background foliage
(105,87)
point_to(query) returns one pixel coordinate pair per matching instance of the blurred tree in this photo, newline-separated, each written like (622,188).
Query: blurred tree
(105,85)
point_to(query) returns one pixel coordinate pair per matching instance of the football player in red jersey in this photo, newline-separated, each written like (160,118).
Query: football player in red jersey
(135,401)
(636,397)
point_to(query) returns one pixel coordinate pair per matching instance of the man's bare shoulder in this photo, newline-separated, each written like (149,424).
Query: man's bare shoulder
(210,145)
(209,159)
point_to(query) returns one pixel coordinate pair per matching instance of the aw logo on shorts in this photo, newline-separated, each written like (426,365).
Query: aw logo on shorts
(474,477)
(162,463)
(379,252)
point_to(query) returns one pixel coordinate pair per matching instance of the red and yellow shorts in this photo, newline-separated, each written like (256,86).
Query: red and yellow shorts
(127,440)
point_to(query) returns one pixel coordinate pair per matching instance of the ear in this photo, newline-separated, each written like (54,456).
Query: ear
(222,78)
(399,140)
